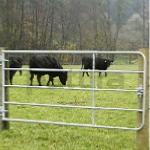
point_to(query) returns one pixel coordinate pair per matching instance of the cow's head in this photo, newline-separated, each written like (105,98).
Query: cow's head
(63,77)
(108,62)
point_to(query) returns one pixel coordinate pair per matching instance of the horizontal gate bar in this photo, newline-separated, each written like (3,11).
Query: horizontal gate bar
(71,52)
(71,106)
(75,70)
(70,124)
(71,88)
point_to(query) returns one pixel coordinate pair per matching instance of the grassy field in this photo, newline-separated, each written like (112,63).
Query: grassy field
(24,136)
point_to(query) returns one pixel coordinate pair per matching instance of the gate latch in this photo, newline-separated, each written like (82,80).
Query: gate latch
(1,110)
(140,91)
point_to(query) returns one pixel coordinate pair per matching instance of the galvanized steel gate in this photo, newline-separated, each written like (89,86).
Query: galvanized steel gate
(140,90)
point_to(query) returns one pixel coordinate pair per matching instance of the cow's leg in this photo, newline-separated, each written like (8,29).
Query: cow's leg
(87,74)
(99,74)
(11,75)
(83,71)
(39,79)
(50,79)
(105,74)
(11,78)
(52,82)
(83,74)
(20,71)
(31,78)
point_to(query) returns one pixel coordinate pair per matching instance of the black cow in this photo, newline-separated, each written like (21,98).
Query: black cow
(100,64)
(14,62)
(46,62)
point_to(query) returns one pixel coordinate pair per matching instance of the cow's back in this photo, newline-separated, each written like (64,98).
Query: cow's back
(44,61)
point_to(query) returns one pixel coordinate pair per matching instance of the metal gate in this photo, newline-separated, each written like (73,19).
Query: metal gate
(139,90)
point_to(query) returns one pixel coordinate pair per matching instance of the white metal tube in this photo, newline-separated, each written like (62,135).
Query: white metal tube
(75,70)
(3,85)
(72,106)
(144,88)
(71,52)
(70,88)
(93,91)
(70,124)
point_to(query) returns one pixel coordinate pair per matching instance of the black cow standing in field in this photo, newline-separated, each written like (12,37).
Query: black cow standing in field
(46,62)
(100,64)
(14,62)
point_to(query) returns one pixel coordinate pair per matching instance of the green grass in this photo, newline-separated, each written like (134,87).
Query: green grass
(24,136)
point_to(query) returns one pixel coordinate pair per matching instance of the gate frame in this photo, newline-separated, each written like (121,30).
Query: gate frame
(78,70)
(143,133)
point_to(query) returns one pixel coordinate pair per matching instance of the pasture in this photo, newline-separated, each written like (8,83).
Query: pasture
(24,136)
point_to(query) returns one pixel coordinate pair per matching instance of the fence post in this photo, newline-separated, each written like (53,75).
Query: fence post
(143,134)
(4,124)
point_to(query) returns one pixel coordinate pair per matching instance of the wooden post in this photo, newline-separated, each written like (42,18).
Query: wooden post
(4,124)
(143,134)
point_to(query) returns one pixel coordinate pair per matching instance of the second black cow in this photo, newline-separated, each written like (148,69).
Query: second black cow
(100,64)
(46,62)
(14,62)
